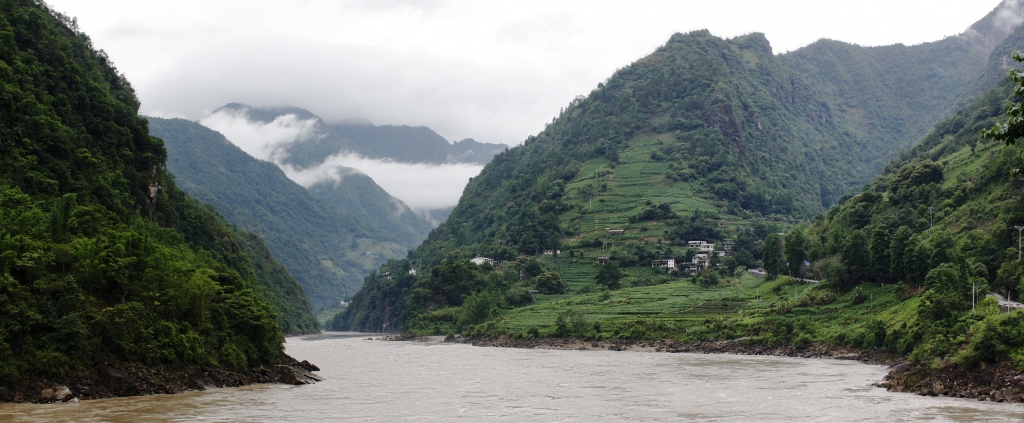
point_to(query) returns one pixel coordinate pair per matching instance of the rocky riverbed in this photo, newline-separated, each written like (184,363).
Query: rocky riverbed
(111,378)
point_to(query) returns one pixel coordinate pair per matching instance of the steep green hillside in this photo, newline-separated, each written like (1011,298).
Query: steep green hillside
(101,255)
(329,237)
(705,139)
(941,218)
(361,200)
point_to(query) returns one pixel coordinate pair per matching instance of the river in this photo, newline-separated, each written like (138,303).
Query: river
(414,381)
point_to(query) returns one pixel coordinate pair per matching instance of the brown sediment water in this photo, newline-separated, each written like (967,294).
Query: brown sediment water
(432,381)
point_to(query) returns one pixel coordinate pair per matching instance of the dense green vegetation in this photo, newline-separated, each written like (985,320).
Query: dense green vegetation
(329,237)
(100,252)
(705,139)
(906,266)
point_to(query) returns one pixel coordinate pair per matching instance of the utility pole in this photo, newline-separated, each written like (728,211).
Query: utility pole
(1019,228)
(931,218)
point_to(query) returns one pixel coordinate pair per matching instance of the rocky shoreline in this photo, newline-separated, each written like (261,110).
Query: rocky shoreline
(111,378)
(997,383)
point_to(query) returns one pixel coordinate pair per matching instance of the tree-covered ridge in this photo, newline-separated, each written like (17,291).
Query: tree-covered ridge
(100,254)
(941,219)
(322,235)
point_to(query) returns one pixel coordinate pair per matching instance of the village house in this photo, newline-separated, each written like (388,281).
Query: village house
(616,232)
(601,261)
(702,259)
(480,260)
(552,252)
(664,264)
(702,247)
(700,262)
(727,247)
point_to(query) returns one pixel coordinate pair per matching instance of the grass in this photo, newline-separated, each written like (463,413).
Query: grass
(747,306)
(633,181)
(325,315)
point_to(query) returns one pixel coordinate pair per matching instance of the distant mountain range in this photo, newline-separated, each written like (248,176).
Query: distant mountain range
(407,144)
(328,237)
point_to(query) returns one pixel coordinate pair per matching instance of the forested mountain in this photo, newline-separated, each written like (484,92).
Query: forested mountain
(329,237)
(703,130)
(101,255)
(407,144)
(941,222)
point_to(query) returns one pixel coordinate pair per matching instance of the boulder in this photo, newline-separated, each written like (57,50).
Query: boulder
(295,375)
(62,393)
(46,395)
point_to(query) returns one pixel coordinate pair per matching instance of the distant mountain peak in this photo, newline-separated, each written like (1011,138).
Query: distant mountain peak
(398,143)
(998,24)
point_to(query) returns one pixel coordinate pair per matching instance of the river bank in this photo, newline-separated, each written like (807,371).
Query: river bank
(111,378)
(996,383)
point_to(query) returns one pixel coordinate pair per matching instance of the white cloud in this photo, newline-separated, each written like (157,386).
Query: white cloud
(420,186)
(262,140)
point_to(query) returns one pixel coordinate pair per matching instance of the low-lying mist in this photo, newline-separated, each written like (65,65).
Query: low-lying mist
(420,186)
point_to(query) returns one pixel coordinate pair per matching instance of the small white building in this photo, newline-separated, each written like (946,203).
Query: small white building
(664,264)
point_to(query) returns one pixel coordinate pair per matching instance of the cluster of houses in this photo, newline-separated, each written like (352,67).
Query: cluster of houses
(700,261)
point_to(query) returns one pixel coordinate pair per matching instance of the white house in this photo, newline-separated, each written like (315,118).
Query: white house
(665,264)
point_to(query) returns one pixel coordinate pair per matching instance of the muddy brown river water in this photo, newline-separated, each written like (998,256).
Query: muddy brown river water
(379,381)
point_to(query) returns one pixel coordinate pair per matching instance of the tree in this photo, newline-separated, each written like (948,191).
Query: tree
(947,292)
(856,258)
(1013,128)
(795,251)
(881,254)
(550,283)
(609,275)
(897,253)
(774,262)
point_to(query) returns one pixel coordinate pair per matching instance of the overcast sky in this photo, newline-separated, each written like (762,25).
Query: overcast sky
(495,71)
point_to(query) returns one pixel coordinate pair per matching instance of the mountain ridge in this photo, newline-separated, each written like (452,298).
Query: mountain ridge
(707,126)
(400,143)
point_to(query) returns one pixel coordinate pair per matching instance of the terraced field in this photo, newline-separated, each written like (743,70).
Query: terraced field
(676,301)
(634,181)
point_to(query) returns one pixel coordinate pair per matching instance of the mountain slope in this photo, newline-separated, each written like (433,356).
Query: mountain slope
(356,195)
(102,258)
(717,130)
(940,219)
(329,237)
